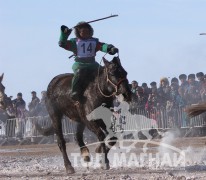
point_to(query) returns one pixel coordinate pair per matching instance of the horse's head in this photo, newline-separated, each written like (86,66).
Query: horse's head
(117,78)
(2,93)
(5,101)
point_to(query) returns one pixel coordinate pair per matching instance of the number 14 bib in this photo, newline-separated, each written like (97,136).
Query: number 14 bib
(86,48)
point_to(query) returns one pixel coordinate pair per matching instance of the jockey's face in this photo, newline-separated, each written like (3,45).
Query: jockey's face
(84,33)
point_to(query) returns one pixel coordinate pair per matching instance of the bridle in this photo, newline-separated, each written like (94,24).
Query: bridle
(116,86)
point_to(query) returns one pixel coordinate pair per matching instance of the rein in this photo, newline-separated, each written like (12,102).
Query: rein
(108,80)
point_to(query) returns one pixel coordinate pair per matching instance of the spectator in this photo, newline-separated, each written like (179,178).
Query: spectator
(33,104)
(192,93)
(142,99)
(181,98)
(202,85)
(164,91)
(19,106)
(134,91)
(134,87)
(174,94)
(43,97)
(184,83)
(42,106)
(200,76)
(152,105)
(153,87)
(201,81)
(152,101)
(146,90)
(20,111)
(175,80)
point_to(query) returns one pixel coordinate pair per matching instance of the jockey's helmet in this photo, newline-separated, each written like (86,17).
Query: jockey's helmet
(81,25)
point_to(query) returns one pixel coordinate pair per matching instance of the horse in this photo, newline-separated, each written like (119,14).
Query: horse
(5,101)
(6,107)
(105,82)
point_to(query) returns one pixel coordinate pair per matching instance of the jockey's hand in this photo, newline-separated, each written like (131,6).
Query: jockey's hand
(66,30)
(114,50)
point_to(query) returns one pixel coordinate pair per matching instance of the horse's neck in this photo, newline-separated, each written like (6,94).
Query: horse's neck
(101,80)
(100,87)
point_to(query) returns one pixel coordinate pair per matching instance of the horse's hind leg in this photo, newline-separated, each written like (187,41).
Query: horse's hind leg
(57,124)
(79,137)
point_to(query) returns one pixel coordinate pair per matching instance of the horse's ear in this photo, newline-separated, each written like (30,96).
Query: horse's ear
(1,77)
(116,60)
(106,62)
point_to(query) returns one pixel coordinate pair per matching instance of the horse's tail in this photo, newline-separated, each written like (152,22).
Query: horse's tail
(44,131)
(196,110)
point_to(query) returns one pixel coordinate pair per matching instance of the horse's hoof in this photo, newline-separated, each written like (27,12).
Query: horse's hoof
(86,158)
(84,151)
(105,166)
(70,170)
(98,149)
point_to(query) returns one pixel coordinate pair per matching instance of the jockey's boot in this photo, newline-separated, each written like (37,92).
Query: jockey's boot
(75,96)
(76,93)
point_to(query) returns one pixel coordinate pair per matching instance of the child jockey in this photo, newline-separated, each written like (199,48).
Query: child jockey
(84,47)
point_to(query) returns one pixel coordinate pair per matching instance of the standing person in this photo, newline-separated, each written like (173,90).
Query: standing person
(43,98)
(193,92)
(202,85)
(20,111)
(134,87)
(146,90)
(33,110)
(175,80)
(200,77)
(42,104)
(84,47)
(164,91)
(183,82)
(153,85)
(19,105)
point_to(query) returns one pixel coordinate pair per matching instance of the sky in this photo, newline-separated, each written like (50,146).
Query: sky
(156,38)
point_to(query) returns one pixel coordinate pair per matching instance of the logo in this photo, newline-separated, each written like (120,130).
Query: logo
(134,145)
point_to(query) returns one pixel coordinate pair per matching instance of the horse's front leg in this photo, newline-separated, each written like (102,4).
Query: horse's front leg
(111,139)
(79,138)
(93,126)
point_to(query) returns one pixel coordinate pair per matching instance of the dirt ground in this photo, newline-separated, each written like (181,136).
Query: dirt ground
(44,161)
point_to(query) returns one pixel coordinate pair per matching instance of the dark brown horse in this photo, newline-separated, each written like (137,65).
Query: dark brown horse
(106,82)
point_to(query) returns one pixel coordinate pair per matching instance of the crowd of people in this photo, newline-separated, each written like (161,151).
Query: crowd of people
(169,96)
(178,93)
(35,108)
(164,102)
